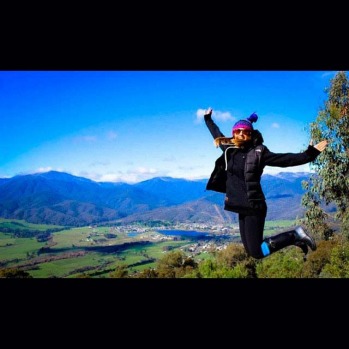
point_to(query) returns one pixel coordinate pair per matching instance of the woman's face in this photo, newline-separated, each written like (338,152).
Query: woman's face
(242,135)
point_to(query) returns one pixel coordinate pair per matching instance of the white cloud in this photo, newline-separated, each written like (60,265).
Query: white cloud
(43,169)
(39,170)
(110,177)
(47,169)
(216,114)
(128,176)
(275,125)
(143,171)
(275,170)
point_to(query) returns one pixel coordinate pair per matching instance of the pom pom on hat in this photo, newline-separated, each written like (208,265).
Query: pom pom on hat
(246,123)
(253,117)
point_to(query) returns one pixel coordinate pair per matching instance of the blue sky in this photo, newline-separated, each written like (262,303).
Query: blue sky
(130,126)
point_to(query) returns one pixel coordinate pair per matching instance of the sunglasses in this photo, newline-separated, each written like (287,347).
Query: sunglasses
(243,131)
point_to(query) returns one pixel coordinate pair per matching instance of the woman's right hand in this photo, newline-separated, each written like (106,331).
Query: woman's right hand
(208,111)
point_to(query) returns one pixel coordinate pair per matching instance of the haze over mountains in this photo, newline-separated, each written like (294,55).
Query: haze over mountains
(63,199)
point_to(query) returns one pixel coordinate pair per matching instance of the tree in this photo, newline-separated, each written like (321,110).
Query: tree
(175,264)
(14,273)
(119,272)
(330,181)
(147,273)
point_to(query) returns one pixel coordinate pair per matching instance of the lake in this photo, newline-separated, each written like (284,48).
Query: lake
(191,233)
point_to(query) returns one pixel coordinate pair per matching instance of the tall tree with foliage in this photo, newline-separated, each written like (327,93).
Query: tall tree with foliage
(330,182)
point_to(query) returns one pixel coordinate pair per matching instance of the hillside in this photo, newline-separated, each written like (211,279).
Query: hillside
(63,199)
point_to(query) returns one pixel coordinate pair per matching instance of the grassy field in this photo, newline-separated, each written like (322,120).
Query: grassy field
(274,227)
(92,251)
(21,224)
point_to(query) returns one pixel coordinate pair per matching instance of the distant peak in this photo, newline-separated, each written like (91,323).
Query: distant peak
(61,176)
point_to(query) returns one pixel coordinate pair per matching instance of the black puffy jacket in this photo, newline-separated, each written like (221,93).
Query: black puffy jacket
(257,157)
(253,173)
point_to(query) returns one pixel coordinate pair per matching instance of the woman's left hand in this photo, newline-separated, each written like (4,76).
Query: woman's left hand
(321,145)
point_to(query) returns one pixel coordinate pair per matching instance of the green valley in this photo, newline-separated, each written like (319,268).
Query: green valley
(51,251)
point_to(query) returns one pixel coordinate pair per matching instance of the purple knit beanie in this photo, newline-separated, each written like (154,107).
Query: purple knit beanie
(246,123)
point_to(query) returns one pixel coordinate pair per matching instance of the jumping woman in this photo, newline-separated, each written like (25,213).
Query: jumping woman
(237,174)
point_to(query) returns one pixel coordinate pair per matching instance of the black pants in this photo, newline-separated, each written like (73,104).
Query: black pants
(251,232)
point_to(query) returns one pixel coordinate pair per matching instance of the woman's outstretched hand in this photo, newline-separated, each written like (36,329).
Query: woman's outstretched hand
(320,146)
(208,111)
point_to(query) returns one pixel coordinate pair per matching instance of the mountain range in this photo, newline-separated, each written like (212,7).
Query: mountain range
(63,199)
